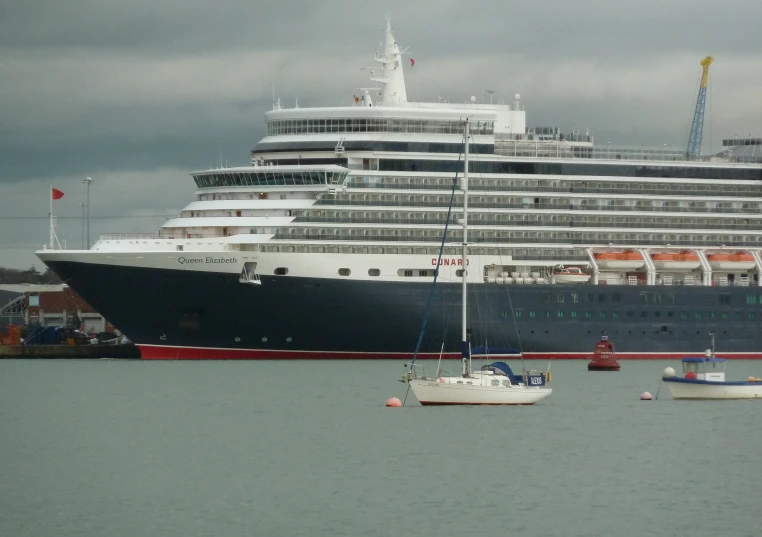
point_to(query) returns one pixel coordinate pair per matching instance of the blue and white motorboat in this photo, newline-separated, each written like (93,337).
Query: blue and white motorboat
(704,378)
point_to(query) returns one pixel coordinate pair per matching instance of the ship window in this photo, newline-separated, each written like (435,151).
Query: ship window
(518,313)
(615,314)
(344,272)
(573,314)
(588,314)
(751,315)
(643,313)
(459,273)
(532,314)
(683,314)
(724,315)
(281,271)
(560,314)
(698,315)
(560,298)
(751,299)
(374,272)
(602,314)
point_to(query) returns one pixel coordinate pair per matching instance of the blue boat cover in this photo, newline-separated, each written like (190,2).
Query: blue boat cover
(703,359)
(502,367)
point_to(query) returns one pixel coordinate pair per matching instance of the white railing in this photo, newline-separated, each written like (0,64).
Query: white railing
(565,150)
(159,236)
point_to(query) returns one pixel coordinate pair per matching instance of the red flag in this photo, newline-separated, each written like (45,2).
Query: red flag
(56,194)
(412,62)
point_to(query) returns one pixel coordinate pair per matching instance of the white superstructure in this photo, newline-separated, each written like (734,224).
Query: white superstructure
(362,192)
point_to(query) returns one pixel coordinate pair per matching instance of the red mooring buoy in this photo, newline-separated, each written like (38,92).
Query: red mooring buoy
(393,402)
(604,356)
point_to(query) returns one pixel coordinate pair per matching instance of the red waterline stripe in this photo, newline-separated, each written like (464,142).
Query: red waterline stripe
(157,352)
(160,352)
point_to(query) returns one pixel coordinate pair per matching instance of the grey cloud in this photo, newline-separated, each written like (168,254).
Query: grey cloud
(122,89)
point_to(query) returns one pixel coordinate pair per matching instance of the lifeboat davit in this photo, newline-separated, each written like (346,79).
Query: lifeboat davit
(680,261)
(604,357)
(570,275)
(734,261)
(629,259)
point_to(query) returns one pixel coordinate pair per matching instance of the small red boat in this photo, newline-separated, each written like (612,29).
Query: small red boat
(604,356)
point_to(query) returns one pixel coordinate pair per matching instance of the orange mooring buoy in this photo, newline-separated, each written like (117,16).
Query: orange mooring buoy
(393,402)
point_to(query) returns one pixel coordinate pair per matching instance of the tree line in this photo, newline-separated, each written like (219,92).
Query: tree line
(30,275)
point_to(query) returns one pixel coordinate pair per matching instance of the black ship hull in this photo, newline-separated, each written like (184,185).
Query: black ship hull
(185,314)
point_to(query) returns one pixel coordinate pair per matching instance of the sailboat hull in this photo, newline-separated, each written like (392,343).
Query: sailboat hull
(433,392)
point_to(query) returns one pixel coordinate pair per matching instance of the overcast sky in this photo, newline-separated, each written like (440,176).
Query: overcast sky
(137,94)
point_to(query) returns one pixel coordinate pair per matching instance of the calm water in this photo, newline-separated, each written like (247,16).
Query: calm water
(121,448)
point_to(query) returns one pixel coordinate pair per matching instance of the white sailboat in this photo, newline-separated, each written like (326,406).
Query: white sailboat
(493,384)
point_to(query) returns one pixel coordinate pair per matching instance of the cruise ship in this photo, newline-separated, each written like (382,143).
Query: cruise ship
(327,244)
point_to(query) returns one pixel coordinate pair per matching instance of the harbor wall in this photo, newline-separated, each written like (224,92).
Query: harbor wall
(70,352)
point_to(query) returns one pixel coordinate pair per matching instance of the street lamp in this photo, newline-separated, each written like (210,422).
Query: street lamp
(87,181)
(82,206)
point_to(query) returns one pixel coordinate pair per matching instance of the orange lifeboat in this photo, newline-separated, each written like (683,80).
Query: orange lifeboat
(628,259)
(676,261)
(604,356)
(732,261)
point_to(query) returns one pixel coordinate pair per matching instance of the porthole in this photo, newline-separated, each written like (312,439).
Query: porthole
(495,382)
(281,271)
(506,383)
(374,272)
(344,272)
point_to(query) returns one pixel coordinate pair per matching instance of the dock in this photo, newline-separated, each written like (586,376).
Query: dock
(69,352)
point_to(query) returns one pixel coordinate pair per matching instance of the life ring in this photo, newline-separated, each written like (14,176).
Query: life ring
(548,377)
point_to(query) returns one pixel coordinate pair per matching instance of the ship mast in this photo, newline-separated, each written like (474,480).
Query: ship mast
(392,81)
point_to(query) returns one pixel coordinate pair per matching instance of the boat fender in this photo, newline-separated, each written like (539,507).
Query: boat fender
(441,379)
(753,379)
(548,377)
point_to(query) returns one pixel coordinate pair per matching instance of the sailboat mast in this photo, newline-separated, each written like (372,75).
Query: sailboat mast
(464,262)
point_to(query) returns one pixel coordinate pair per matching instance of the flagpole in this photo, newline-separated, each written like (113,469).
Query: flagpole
(50,214)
